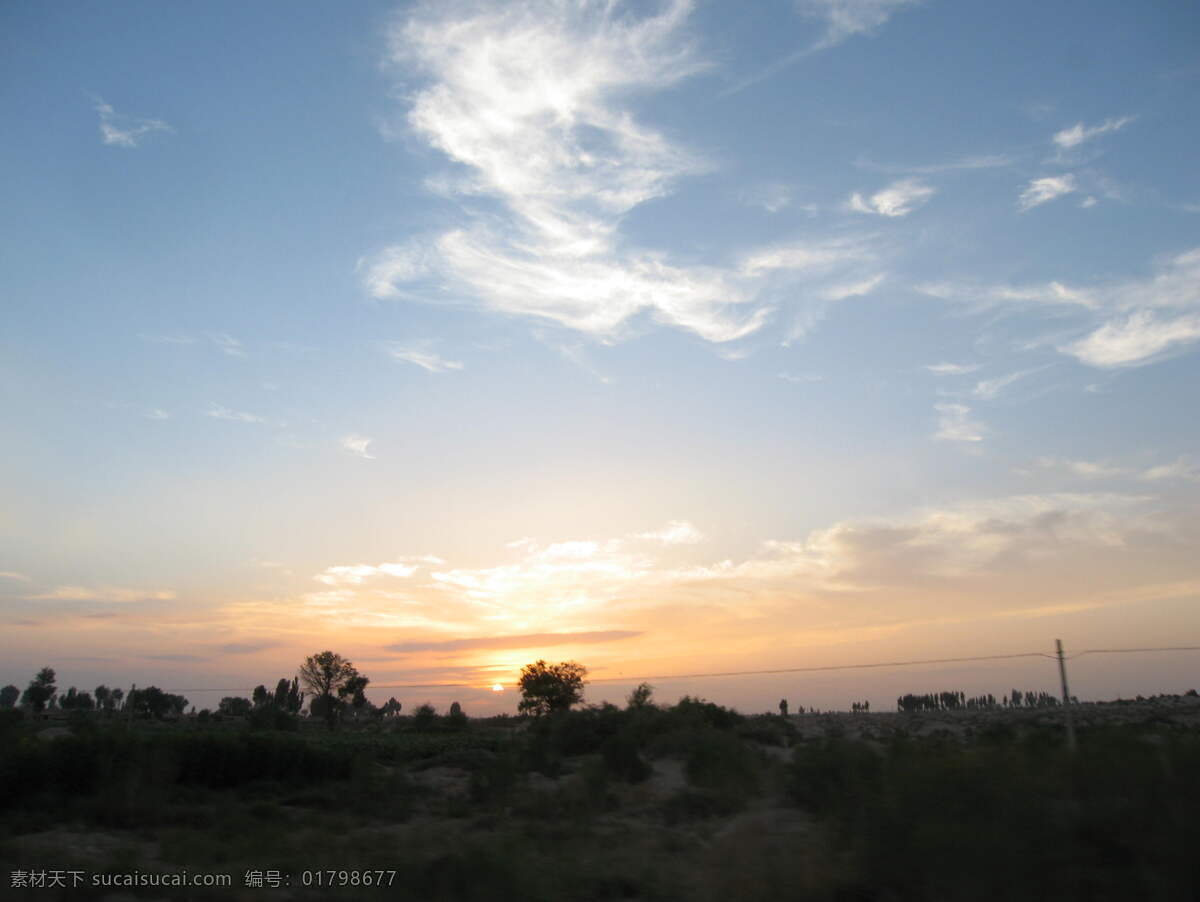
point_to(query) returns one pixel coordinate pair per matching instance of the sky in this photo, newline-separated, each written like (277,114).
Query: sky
(668,337)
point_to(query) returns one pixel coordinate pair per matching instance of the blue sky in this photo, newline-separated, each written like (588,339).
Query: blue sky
(664,336)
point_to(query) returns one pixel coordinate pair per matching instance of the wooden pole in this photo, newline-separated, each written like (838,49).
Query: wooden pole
(1066,697)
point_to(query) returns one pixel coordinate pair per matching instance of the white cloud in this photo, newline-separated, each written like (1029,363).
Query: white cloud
(839,292)
(125,131)
(897,199)
(1139,339)
(955,424)
(1079,133)
(987,161)
(952,369)
(110,594)
(228,344)
(984,296)
(1044,190)
(357,574)
(1084,469)
(846,18)
(1182,468)
(14,575)
(427,360)
(156,413)
(218,412)
(989,389)
(677,532)
(801,377)
(772,198)
(357,445)
(529,99)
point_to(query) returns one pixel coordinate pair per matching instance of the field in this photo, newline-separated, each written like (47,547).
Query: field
(691,801)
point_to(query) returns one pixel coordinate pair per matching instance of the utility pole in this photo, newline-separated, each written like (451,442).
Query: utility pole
(1066,695)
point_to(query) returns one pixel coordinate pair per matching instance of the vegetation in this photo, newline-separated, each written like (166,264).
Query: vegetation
(682,801)
(325,675)
(550,688)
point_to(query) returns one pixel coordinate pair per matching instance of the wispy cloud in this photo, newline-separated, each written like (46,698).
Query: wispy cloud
(156,413)
(219,412)
(1182,468)
(1083,469)
(986,296)
(1132,321)
(772,197)
(118,130)
(426,360)
(677,532)
(955,424)
(845,19)
(529,99)
(983,161)
(227,343)
(530,640)
(167,339)
(1044,190)
(989,389)
(357,445)
(1136,340)
(1079,133)
(109,594)
(897,199)
(952,369)
(14,575)
(357,574)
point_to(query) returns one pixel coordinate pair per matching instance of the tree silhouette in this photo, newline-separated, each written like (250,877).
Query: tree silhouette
(153,702)
(9,695)
(234,706)
(355,690)
(325,674)
(548,688)
(40,690)
(391,708)
(640,696)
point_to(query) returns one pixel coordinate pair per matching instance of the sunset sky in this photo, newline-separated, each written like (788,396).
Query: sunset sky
(667,337)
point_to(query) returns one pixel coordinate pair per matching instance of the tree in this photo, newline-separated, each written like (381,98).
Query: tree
(260,696)
(153,702)
(234,706)
(391,708)
(9,695)
(40,690)
(325,674)
(354,690)
(549,688)
(640,696)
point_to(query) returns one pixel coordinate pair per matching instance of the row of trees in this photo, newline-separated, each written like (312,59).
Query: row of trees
(42,694)
(954,701)
(333,686)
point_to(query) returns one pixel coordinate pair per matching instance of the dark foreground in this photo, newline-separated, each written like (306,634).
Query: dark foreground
(687,802)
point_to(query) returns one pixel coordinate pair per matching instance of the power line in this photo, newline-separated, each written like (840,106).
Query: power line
(732,673)
(1117,651)
(825,668)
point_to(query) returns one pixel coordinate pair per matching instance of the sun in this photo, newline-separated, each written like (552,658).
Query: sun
(496,687)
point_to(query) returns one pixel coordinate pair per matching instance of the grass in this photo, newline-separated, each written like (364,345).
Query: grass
(579,807)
